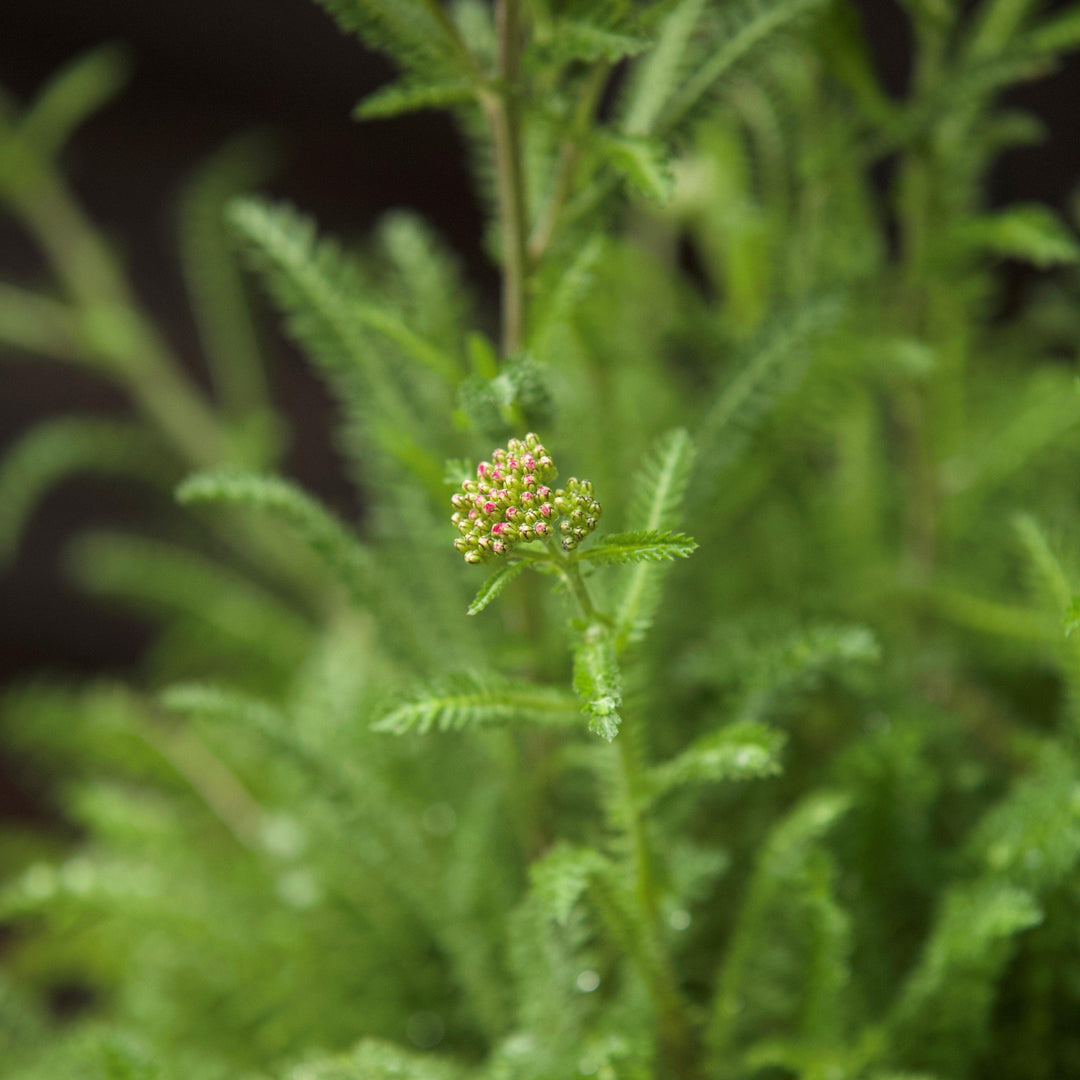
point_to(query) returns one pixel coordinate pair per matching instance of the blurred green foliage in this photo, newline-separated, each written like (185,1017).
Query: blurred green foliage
(344,830)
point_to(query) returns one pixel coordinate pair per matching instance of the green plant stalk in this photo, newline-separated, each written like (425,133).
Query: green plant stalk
(674,1034)
(569,157)
(504,114)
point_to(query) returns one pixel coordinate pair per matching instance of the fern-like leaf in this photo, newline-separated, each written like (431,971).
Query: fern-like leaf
(940,1020)
(646,546)
(407,96)
(374,1059)
(658,495)
(656,75)
(748,26)
(1033,233)
(598,681)
(561,878)
(643,162)
(746,750)
(466,700)
(58,448)
(773,367)
(495,585)
(327,536)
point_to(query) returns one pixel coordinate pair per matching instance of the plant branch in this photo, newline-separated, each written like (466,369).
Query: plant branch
(569,157)
(674,1033)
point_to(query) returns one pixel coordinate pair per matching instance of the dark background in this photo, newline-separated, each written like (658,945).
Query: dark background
(206,69)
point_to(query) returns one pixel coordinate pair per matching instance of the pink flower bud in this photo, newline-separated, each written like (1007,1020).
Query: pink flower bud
(530,461)
(473,515)
(512,463)
(545,509)
(482,468)
(528,479)
(511,511)
(524,530)
(543,491)
(540,528)
(499,528)
(498,547)
(496,474)
(526,496)
(489,508)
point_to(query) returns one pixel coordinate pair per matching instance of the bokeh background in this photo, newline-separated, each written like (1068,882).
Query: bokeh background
(204,70)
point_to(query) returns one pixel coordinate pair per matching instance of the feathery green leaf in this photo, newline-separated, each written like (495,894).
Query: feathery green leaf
(644,162)
(495,585)
(657,500)
(467,700)
(640,547)
(66,445)
(407,96)
(745,750)
(327,536)
(598,681)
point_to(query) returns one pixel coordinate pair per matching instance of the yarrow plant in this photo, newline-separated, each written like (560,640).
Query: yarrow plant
(803,806)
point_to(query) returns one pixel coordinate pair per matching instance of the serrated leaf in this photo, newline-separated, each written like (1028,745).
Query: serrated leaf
(972,941)
(655,77)
(563,295)
(644,162)
(770,978)
(598,681)
(640,547)
(574,39)
(62,446)
(495,585)
(324,533)
(773,366)
(223,704)
(1032,232)
(561,878)
(467,700)
(749,25)
(658,493)
(746,750)
(405,97)
(375,1059)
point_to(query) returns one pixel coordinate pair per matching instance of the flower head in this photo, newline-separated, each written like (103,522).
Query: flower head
(511,501)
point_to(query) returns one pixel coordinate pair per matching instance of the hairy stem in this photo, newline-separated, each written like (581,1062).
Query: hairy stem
(675,1038)
(569,156)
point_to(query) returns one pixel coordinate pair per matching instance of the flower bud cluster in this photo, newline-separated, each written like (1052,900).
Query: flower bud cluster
(580,512)
(511,501)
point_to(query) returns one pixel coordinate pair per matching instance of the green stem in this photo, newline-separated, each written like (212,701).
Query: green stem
(676,1044)
(569,156)
(504,114)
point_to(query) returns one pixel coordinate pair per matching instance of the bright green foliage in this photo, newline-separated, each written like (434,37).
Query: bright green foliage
(58,448)
(640,547)
(470,701)
(597,680)
(803,805)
